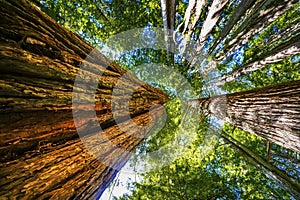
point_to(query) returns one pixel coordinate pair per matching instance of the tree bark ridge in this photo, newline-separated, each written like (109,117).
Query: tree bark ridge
(42,156)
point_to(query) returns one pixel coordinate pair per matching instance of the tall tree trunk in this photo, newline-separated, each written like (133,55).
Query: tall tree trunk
(207,27)
(41,153)
(168,13)
(238,13)
(168,8)
(210,21)
(190,21)
(272,112)
(278,53)
(200,4)
(288,183)
(260,17)
(197,6)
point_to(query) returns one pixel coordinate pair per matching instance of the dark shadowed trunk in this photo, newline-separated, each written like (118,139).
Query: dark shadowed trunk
(41,153)
(271,112)
(268,169)
(168,9)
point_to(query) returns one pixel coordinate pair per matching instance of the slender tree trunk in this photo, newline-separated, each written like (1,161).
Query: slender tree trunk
(288,47)
(238,13)
(190,21)
(198,6)
(291,158)
(260,17)
(187,15)
(268,169)
(212,18)
(168,13)
(278,53)
(272,112)
(210,21)
(41,153)
(168,8)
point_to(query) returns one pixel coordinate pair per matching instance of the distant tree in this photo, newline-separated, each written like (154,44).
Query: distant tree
(260,15)
(288,183)
(278,53)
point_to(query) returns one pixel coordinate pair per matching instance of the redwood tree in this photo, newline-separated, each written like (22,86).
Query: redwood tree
(41,153)
(272,112)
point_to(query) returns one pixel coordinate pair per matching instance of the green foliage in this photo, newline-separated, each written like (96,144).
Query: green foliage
(167,134)
(96,21)
(274,34)
(280,72)
(185,178)
(251,141)
(243,178)
(221,174)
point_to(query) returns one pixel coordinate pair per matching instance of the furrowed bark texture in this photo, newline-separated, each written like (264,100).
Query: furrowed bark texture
(271,112)
(41,153)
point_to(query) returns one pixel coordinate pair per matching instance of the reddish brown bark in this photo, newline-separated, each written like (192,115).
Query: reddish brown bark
(271,112)
(41,154)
